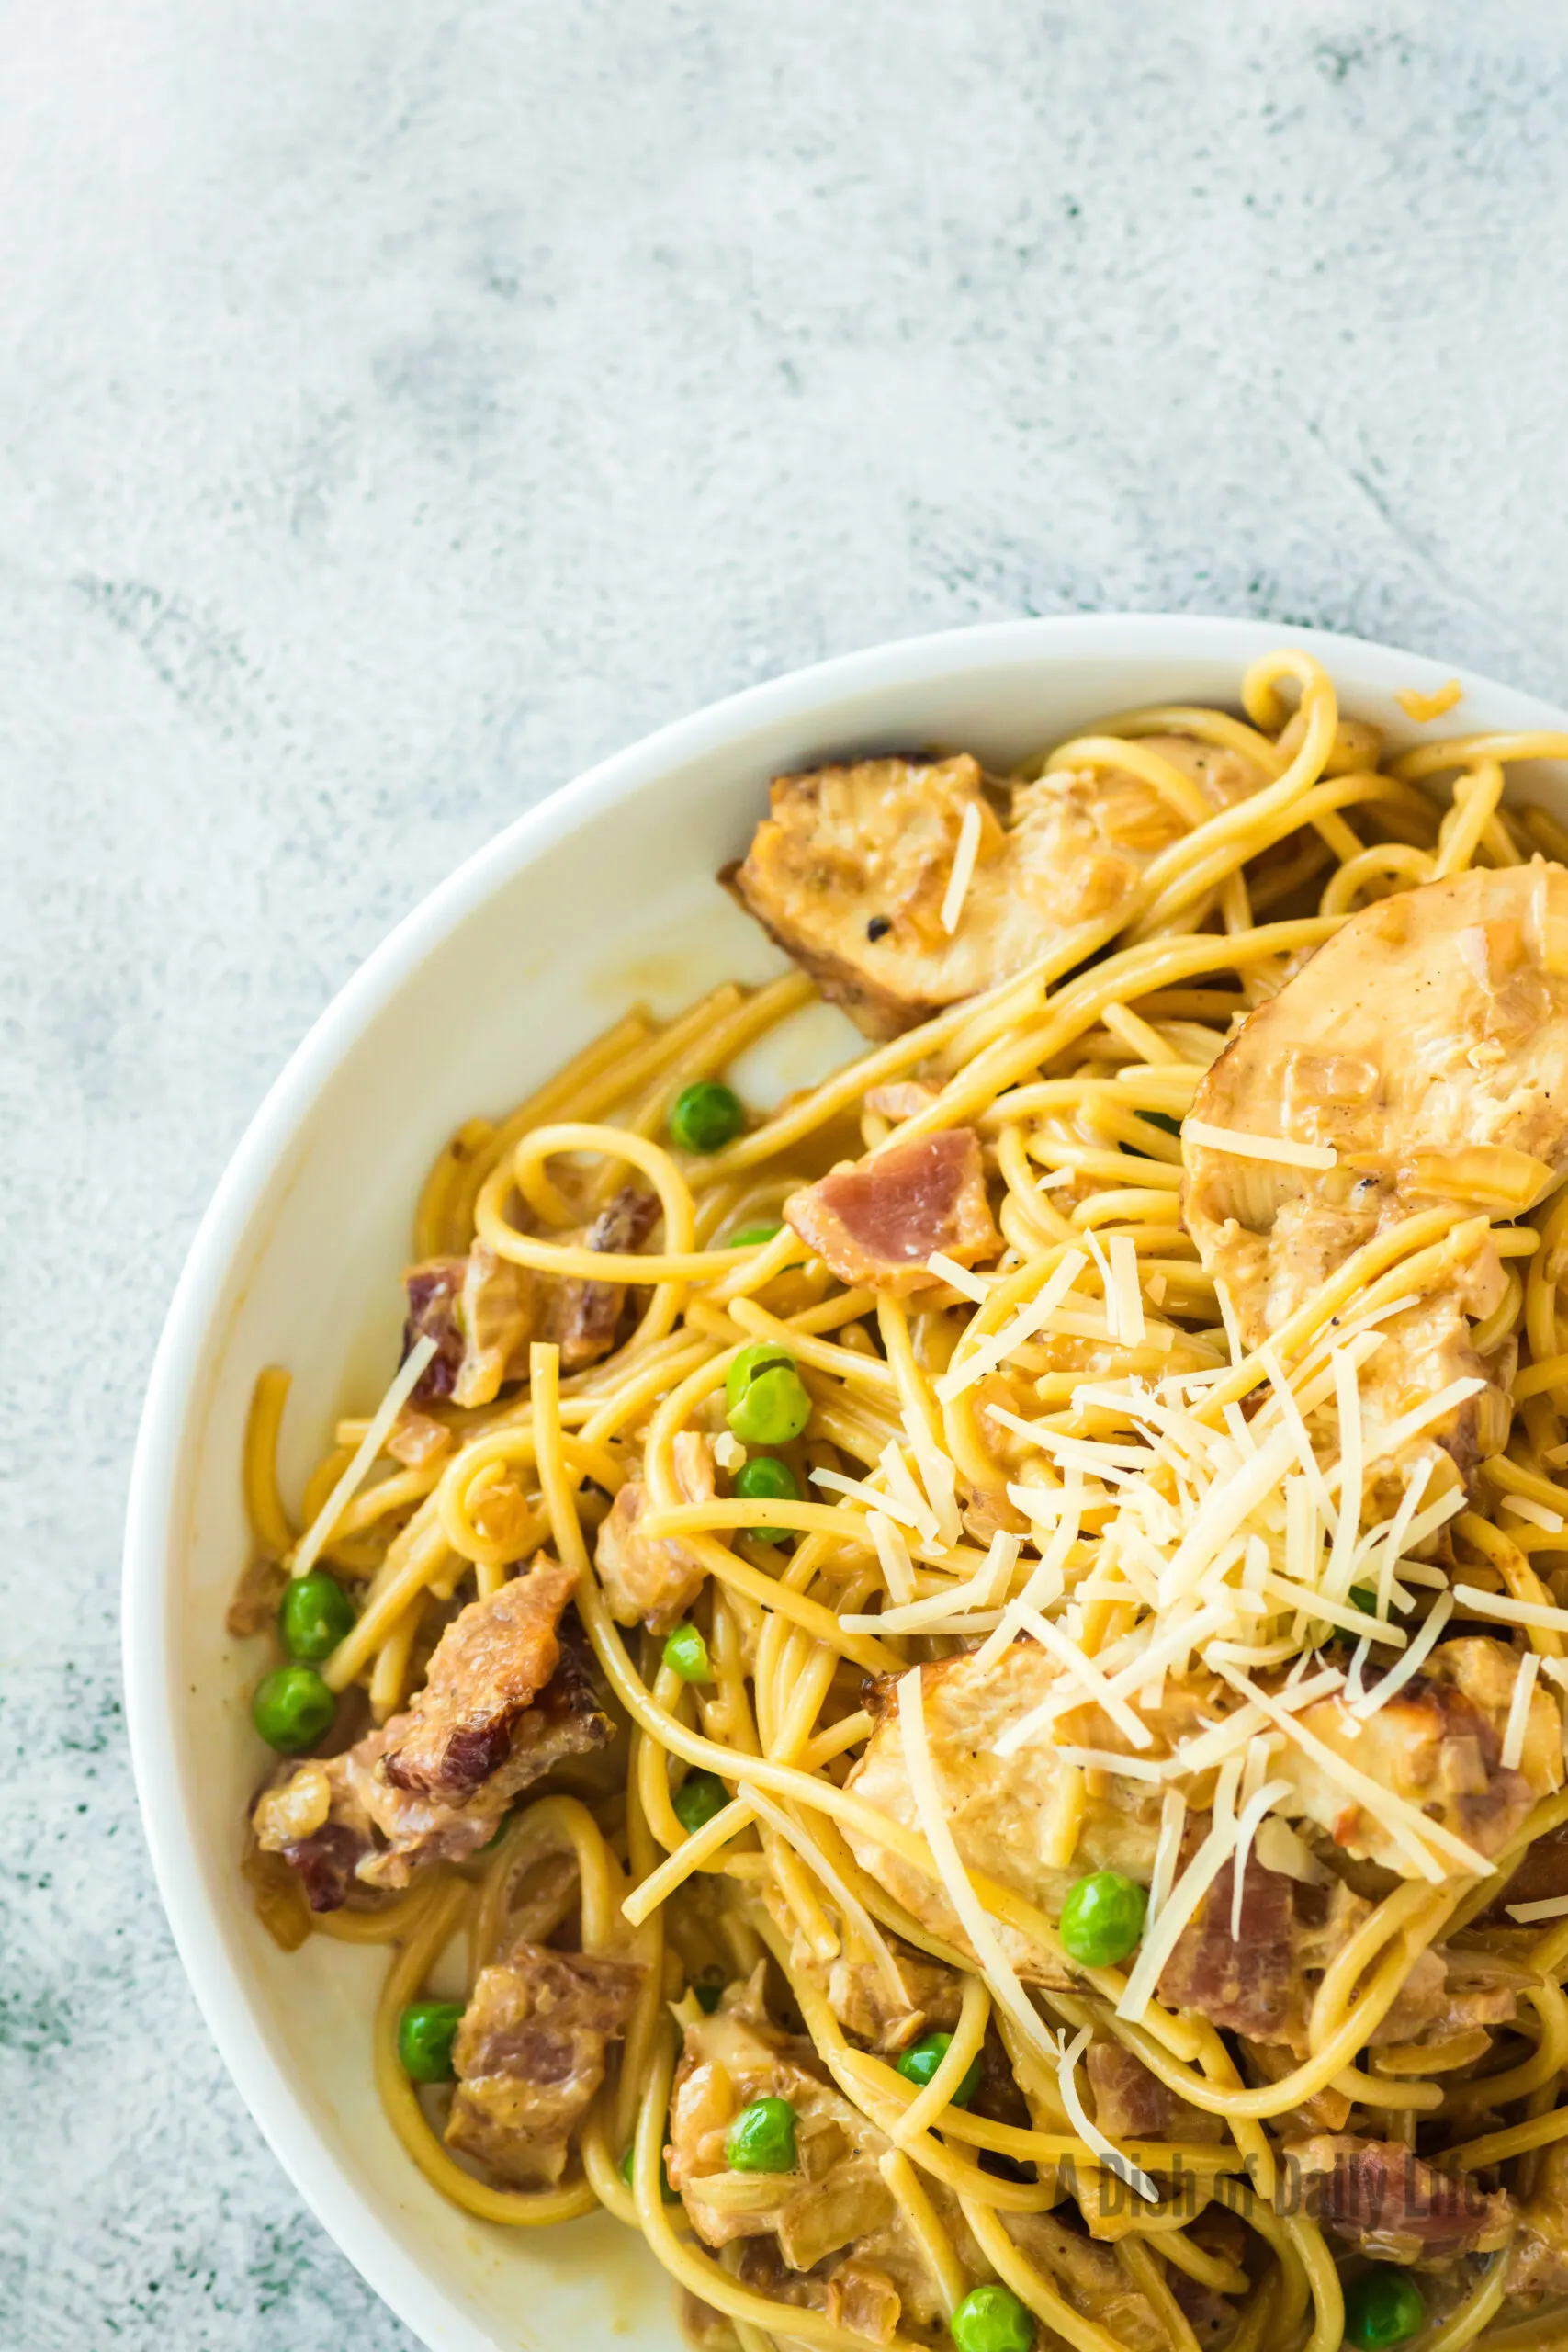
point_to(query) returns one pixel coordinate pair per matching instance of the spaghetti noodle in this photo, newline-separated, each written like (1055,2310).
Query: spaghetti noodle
(1049,1777)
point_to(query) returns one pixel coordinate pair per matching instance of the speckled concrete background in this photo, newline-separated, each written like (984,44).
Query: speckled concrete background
(404,406)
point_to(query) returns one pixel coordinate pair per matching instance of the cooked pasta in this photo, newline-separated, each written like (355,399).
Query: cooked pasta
(969,1669)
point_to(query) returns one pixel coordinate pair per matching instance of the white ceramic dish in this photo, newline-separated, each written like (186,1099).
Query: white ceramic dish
(602,895)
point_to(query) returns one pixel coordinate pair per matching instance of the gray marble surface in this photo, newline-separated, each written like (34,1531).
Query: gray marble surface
(404,405)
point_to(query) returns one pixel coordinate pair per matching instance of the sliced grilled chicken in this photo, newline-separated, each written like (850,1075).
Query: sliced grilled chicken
(849,869)
(1426,1046)
(1436,1744)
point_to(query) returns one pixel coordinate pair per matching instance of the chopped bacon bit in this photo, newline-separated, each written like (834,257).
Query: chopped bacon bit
(530,2054)
(346,1823)
(482,1311)
(879,1221)
(1391,2203)
(1131,2104)
(652,1577)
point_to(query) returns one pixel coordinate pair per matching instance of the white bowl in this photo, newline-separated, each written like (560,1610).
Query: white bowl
(604,895)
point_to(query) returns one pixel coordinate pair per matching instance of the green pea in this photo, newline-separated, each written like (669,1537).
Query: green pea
(705,1116)
(922,2058)
(765,1397)
(1383,2306)
(313,1615)
(686,1654)
(698,1798)
(1102,1920)
(991,2319)
(752,1237)
(766,1479)
(292,1709)
(762,2138)
(708,1997)
(670,2196)
(425,2034)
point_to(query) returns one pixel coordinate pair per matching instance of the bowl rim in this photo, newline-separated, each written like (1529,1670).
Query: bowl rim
(344,2211)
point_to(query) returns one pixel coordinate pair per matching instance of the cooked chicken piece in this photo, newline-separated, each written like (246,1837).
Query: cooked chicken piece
(343,1822)
(253,1610)
(878,1222)
(1131,2104)
(860,1996)
(483,1311)
(902,1098)
(1427,1044)
(849,869)
(1091,2277)
(1393,2206)
(705,2329)
(836,2201)
(1436,1744)
(853,2293)
(998,1806)
(1537,2259)
(414,1439)
(476,1311)
(529,2056)
(653,1577)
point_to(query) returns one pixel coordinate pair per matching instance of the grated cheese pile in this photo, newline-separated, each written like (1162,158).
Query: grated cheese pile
(1166,1534)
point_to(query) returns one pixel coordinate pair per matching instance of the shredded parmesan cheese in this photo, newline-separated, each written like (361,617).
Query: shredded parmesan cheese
(960,1278)
(988,1353)
(307,1551)
(1125,1299)
(1537,1514)
(893,1554)
(1509,1612)
(1172,1821)
(998,1971)
(1553,1907)
(1114,2158)
(1252,1814)
(1160,1939)
(963,867)
(1519,1711)
(1280,1148)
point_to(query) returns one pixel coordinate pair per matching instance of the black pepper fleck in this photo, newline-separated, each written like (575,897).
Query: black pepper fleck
(879,926)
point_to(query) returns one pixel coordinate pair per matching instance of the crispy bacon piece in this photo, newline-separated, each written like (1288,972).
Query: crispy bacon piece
(879,1221)
(1392,2204)
(478,1311)
(1538,2260)
(1131,2104)
(530,2054)
(1250,1985)
(344,1826)
(483,1311)
(581,1317)
(860,1996)
(1094,2281)
(655,1579)
(487,1667)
